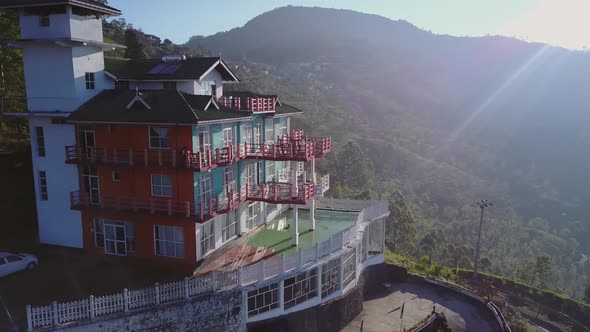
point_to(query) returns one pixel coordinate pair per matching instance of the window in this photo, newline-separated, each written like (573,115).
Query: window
(205,191)
(330,277)
(43,185)
(159,138)
(169,241)
(269,130)
(161,185)
(230,228)
(228,136)
(12,259)
(169,85)
(116,176)
(283,126)
(300,288)
(229,181)
(349,268)
(207,237)
(130,235)
(122,85)
(263,299)
(99,233)
(270,170)
(260,169)
(89,81)
(208,88)
(258,132)
(283,174)
(40,138)
(44,20)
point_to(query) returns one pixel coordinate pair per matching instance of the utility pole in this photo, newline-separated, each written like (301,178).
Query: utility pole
(482,205)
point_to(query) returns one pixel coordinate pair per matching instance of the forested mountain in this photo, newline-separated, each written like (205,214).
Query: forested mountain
(447,121)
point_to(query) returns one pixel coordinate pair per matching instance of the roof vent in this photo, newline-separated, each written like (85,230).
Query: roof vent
(174,58)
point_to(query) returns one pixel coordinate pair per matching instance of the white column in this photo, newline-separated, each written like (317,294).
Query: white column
(295,226)
(294,178)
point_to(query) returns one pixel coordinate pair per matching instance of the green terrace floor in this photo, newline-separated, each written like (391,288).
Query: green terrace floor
(277,237)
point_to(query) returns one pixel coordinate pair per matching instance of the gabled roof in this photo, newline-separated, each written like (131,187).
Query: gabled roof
(165,107)
(88,4)
(157,70)
(286,109)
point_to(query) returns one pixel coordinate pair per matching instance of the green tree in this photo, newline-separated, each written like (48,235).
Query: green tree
(535,272)
(400,227)
(135,46)
(353,168)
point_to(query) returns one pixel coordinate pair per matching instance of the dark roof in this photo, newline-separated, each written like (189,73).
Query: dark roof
(286,109)
(89,4)
(166,106)
(189,69)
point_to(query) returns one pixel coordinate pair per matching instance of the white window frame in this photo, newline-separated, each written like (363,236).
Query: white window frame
(162,186)
(160,137)
(227,135)
(116,178)
(260,300)
(229,180)
(204,195)
(269,130)
(229,228)
(283,126)
(270,170)
(300,288)
(247,132)
(43,193)
(175,241)
(257,132)
(207,240)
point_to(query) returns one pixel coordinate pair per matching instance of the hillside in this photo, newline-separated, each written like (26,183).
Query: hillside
(448,120)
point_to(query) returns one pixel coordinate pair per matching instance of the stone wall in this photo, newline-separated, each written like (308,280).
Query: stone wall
(217,312)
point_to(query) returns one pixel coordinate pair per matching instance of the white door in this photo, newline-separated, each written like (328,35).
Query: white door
(258,133)
(253,215)
(249,176)
(228,136)
(114,239)
(229,181)
(87,142)
(247,133)
(204,144)
(205,191)
(91,184)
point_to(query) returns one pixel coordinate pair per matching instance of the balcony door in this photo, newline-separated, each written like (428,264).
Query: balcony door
(229,181)
(205,191)
(247,133)
(254,215)
(91,184)
(115,239)
(249,176)
(204,143)
(87,141)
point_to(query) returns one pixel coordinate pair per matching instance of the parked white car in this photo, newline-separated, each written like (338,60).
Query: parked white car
(11,262)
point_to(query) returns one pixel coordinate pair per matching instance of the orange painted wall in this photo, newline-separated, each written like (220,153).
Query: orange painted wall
(135,181)
(144,235)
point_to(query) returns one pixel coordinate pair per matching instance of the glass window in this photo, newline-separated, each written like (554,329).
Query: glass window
(43,185)
(116,176)
(269,130)
(12,258)
(161,185)
(99,233)
(44,21)
(330,277)
(263,299)
(159,137)
(270,170)
(207,237)
(90,81)
(169,85)
(230,226)
(169,241)
(283,126)
(300,288)
(130,235)
(40,138)
(349,268)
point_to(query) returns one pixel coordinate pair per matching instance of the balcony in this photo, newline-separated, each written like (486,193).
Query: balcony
(201,212)
(250,104)
(323,185)
(282,151)
(229,155)
(161,158)
(320,145)
(281,193)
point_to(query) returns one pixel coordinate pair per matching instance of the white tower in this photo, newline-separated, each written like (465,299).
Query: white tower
(63,59)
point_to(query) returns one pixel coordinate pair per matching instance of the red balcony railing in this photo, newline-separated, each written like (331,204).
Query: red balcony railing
(229,155)
(201,212)
(251,104)
(284,150)
(321,145)
(200,161)
(281,193)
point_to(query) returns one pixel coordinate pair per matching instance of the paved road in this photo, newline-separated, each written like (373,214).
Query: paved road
(382,312)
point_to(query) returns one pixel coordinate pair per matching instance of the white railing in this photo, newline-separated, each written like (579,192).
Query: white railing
(323,185)
(62,313)
(344,204)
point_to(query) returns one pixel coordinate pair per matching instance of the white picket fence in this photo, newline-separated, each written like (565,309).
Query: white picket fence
(57,314)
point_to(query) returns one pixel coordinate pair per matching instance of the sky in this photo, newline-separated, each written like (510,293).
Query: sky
(558,22)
